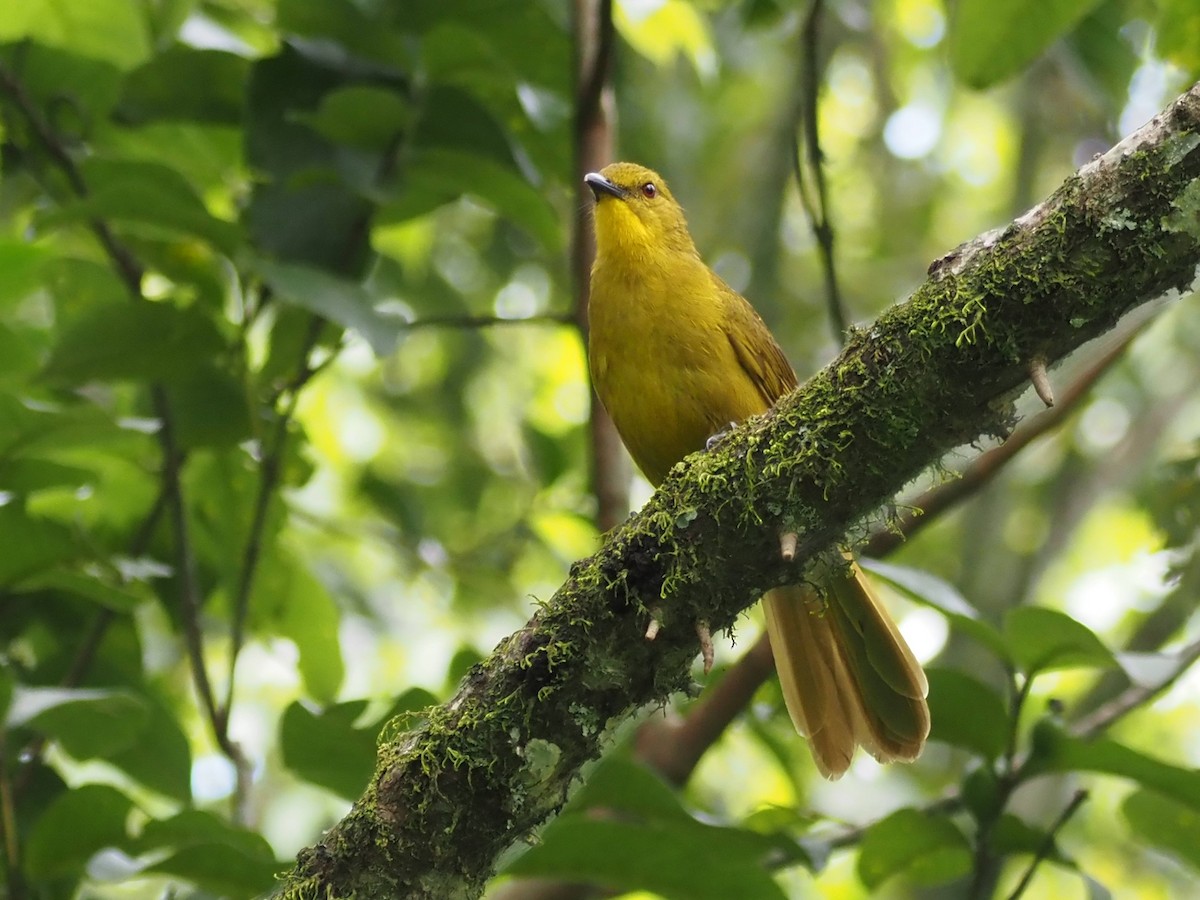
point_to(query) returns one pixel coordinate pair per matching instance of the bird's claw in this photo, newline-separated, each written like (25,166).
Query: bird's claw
(715,439)
(787,545)
(706,645)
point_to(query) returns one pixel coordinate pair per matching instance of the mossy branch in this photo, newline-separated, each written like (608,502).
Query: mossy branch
(491,765)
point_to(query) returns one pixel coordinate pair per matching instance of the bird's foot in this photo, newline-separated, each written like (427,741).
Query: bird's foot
(703,633)
(715,439)
(787,545)
(653,628)
(706,645)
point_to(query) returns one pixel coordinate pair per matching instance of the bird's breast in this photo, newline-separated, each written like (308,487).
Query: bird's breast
(663,366)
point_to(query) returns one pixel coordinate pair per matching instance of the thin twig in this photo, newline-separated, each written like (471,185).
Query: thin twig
(816,200)
(1134,697)
(185,561)
(1047,845)
(268,479)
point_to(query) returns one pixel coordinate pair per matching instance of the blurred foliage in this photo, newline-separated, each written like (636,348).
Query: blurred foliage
(226,439)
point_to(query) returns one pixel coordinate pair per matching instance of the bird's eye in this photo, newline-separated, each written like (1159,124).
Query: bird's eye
(649,191)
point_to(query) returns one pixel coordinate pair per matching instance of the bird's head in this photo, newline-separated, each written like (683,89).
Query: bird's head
(635,212)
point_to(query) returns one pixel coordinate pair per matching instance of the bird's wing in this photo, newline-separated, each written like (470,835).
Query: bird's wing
(759,354)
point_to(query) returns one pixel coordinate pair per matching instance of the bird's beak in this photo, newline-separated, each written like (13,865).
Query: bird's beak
(601,185)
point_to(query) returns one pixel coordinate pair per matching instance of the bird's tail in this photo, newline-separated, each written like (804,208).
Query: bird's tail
(848,676)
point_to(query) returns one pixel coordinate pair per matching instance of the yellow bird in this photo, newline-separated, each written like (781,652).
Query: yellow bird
(676,355)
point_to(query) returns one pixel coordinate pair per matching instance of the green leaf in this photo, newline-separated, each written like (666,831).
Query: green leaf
(325,748)
(193,827)
(1101,43)
(161,757)
(89,723)
(111,30)
(1166,824)
(28,427)
(133,341)
(966,713)
(186,83)
(79,285)
(1054,750)
(1044,640)
(368,118)
(210,409)
(314,222)
(145,194)
(309,616)
(90,587)
(80,90)
(452,119)
(928,849)
(436,177)
(513,43)
(20,351)
(20,270)
(1177,34)
(625,785)
(76,825)
(1012,835)
(939,594)
(31,545)
(26,475)
(345,23)
(685,860)
(990,41)
(338,299)
(211,853)
(221,869)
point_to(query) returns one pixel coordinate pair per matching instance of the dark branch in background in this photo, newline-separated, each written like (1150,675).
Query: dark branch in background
(130,272)
(594,43)
(931,374)
(815,197)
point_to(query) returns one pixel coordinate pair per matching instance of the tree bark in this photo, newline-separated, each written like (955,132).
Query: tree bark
(491,765)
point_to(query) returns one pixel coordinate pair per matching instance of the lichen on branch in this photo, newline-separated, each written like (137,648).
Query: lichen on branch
(492,764)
